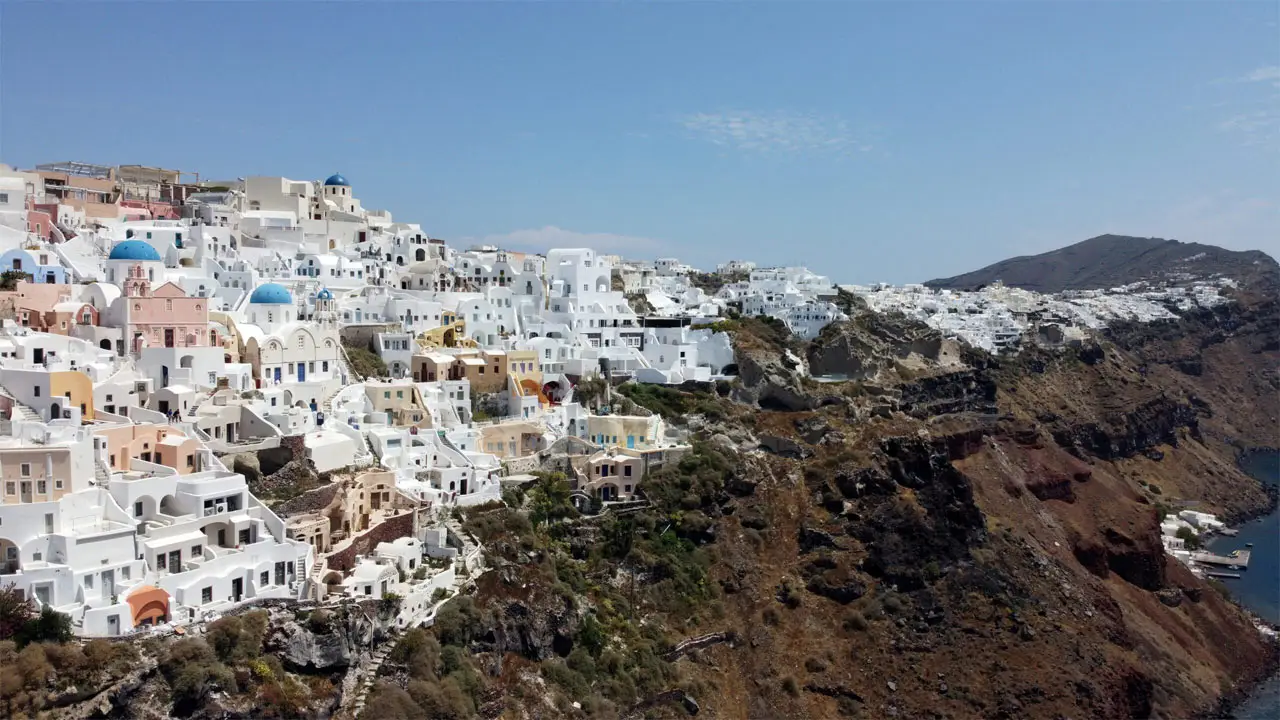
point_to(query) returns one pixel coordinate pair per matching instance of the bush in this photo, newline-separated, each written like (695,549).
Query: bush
(855,621)
(364,363)
(238,638)
(457,621)
(388,702)
(389,603)
(420,573)
(444,699)
(790,686)
(49,626)
(1190,537)
(419,651)
(192,669)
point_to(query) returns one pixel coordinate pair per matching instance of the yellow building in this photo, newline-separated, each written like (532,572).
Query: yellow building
(75,388)
(628,431)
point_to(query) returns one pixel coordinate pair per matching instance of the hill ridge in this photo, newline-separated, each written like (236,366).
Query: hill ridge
(1111,260)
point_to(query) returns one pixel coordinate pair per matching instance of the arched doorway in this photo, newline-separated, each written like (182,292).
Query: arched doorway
(8,556)
(105,344)
(420,255)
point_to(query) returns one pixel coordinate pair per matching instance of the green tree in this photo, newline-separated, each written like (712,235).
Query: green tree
(15,611)
(49,626)
(1190,537)
(9,279)
(549,499)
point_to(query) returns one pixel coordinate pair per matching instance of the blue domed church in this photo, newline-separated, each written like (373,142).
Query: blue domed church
(286,351)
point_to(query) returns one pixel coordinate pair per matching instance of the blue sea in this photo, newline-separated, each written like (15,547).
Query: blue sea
(1259,587)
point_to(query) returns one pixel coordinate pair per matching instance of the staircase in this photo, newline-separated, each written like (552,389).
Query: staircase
(101,475)
(24,413)
(371,673)
(316,577)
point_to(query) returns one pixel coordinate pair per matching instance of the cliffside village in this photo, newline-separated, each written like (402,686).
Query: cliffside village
(159,329)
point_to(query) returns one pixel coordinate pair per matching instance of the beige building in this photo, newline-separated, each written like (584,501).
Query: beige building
(625,431)
(512,440)
(400,401)
(608,475)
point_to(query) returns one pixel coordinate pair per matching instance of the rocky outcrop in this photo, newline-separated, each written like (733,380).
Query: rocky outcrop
(940,526)
(323,639)
(1124,435)
(972,391)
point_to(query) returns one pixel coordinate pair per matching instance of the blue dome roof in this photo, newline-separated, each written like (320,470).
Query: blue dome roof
(271,294)
(337,179)
(134,250)
(324,294)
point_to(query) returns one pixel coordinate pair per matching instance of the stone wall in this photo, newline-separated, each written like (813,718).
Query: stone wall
(362,335)
(397,527)
(310,501)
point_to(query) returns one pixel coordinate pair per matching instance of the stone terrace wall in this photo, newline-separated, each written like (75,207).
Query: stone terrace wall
(397,527)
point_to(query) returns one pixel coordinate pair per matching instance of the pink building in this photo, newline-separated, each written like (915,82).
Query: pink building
(165,317)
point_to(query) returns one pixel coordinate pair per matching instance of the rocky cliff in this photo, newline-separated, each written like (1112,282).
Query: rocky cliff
(901,527)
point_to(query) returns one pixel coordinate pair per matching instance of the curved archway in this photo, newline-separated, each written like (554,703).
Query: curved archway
(187,360)
(9,558)
(105,344)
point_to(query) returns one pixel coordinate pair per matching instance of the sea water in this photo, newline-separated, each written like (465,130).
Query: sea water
(1258,588)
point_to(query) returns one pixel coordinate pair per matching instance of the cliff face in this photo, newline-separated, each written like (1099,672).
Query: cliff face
(991,547)
(940,533)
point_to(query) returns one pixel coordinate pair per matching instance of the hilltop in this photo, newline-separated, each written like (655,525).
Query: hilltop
(1110,261)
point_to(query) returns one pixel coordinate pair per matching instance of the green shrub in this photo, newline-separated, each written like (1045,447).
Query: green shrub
(388,702)
(790,686)
(192,669)
(237,638)
(457,621)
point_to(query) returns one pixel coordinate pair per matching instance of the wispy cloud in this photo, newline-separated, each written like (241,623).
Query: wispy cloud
(1269,73)
(545,238)
(1256,120)
(1260,127)
(780,132)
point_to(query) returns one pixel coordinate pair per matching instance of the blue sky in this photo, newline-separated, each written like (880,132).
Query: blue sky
(893,142)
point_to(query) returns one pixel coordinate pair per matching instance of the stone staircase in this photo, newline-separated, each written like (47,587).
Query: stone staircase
(370,673)
(316,576)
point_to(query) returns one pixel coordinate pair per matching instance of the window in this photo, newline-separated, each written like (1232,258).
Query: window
(197,551)
(42,487)
(57,484)
(125,573)
(626,472)
(24,470)
(88,581)
(168,305)
(10,488)
(4,198)
(160,561)
(191,461)
(264,578)
(301,342)
(206,595)
(36,390)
